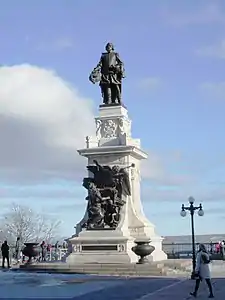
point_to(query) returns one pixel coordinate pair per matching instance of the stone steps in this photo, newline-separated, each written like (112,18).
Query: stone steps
(164,268)
(104,269)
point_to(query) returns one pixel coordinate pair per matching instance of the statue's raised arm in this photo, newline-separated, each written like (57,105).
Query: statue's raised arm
(99,167)
(109,72)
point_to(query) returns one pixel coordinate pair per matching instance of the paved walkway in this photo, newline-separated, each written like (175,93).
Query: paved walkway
(79,287)
(86,287)
(39,286)
(181,291)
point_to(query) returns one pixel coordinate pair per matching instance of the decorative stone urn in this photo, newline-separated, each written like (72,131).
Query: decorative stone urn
(30,251)
(143,249)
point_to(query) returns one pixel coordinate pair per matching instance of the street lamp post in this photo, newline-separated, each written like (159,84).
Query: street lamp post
(191,208)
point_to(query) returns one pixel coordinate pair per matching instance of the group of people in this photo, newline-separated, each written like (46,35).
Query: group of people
(219,247)
(17,255)
(47,248)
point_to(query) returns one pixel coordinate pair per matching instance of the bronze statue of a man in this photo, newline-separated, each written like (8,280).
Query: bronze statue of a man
(109,72)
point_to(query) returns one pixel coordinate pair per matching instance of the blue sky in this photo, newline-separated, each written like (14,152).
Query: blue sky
(174,55)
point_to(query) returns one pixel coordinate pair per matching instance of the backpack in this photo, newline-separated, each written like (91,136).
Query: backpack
(205,259)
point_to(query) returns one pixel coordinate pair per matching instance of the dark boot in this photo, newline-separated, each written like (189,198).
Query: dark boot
(208,281)
(197,284)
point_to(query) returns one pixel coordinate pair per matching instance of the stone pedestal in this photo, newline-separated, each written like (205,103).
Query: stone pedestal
(113,145)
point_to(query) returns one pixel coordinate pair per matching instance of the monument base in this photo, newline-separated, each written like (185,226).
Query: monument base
(101,247)
(114,146)
(110,246)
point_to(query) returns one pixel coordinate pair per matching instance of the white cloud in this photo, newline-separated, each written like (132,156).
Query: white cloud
(150,83)
(180,194)
(217,50)
(214,89)
(59,44)
(154,170)
(52,192)
(43,120)
(207,14)
(64,43)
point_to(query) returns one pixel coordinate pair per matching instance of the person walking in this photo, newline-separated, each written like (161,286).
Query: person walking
(65,246)
(43,251)
(222,249)
(218,247)
(57,250)
(5,254)
(202,270)
(18,250)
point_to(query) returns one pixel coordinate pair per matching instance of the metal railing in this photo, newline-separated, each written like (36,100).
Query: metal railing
(173,250)
(184,250)
(54,255)
(51,255)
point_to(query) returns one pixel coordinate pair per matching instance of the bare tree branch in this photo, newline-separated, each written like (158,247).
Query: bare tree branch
(21,221)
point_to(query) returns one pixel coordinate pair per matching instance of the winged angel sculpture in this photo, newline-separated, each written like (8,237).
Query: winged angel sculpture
(106,193)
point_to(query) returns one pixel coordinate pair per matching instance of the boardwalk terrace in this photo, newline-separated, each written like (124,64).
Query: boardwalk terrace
(182,244)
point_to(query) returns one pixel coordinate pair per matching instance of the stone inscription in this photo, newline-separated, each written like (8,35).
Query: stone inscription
(99,248)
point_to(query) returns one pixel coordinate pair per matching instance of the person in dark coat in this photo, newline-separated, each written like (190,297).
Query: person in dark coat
(43,251)
(5,254)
